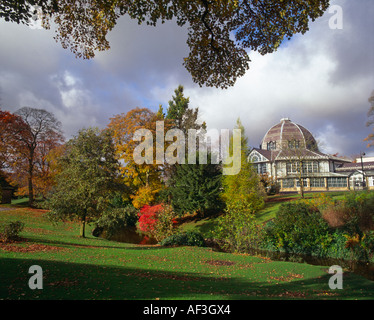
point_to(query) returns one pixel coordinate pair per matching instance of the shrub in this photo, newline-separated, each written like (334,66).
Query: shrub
(238,230)
(299,228)
(320,201)
(189,238)
(157,221)
(355,213)
(10,231)
(336,215)
(148,217)
(114,220)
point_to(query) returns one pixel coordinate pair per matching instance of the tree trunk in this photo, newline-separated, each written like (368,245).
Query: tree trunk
(31,189)
(302,189)
(30,177)
(83,227)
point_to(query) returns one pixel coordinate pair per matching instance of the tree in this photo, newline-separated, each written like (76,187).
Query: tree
(142,179)
(243,192)
(370,137)
(182,116)
(219,32)
(42,133)
(12,130)
(89,173)
(197,188)
(27,137)
(243,195)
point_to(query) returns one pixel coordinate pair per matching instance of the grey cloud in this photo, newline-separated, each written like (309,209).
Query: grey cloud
(353,46)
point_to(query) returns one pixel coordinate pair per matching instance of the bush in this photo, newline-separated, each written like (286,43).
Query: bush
(299,228)
(10,231)
(354,214)
(157,221)
(238,230)
(114,220)
(189,238)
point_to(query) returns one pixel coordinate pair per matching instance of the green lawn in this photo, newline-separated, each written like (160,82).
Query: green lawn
(92,268)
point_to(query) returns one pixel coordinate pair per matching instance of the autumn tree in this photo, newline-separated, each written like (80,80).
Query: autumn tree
(220,32)
(41,134)
(12,130)
(87,180)
(26,138)
(144,180)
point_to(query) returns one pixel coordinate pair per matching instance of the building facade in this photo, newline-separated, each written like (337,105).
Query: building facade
(289,155)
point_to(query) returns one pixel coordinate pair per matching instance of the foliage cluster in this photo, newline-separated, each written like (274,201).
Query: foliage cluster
(85,172)
(157,221)
(321,227)
(197,188)
(238,230)
(298,228)
(220,33)
(10,231)
(189,238)
(243,191)
(114,220)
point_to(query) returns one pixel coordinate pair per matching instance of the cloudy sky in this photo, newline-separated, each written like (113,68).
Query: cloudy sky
(321,80)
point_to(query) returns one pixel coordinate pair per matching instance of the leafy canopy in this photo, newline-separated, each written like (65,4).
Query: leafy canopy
(88,176)
(220,32)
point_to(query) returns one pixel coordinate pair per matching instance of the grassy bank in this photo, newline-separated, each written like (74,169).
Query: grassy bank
(92,268)
(272,204)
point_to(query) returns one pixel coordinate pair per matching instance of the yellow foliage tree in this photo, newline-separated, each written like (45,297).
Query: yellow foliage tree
(144,180)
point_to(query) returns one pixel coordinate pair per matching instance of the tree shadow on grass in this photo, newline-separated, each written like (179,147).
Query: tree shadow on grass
(77,281)
(96,243)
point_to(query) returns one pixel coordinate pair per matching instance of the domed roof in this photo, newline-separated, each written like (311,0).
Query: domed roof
(288,134)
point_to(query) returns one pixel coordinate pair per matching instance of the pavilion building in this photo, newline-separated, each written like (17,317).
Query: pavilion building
(289,155)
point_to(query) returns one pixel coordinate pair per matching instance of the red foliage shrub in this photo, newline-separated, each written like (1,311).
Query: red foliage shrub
(148,217)
(157,221)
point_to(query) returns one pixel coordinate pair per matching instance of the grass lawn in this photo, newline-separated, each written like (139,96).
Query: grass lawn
(92,268)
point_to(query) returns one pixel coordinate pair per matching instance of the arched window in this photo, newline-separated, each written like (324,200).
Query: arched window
(272,145)
(294,144)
